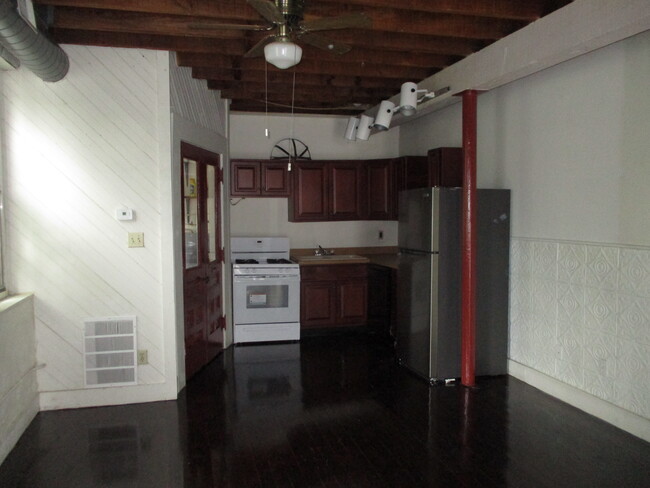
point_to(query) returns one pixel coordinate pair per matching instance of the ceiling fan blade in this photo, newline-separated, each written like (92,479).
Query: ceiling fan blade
(258,49)
(268,10)
(360,20)
(324,43)
(219,26)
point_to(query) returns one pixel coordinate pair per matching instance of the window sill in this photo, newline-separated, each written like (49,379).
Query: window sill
(12,300)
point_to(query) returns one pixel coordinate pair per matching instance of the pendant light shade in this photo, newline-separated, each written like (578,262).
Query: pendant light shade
(282,53)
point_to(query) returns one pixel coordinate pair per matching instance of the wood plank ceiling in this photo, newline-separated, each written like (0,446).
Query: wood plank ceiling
(408,40)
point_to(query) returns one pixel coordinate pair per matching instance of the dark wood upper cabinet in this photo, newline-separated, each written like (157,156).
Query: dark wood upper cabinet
(379,189)
(275,179)
(259,178)
(445,166)
(244,178)
(310,197)
(346,202)
(408,172)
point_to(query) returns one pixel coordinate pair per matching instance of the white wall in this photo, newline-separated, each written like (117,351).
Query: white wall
(324,137)
(572,143)
(18,388)
(75,151)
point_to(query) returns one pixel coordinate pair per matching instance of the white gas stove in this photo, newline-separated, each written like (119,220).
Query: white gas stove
(266,290)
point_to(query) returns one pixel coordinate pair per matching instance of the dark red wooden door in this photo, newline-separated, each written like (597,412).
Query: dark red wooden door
(202,257)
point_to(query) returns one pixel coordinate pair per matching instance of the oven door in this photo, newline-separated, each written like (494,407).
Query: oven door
(266,299)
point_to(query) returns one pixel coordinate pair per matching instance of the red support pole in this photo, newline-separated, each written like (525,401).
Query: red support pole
(468,282)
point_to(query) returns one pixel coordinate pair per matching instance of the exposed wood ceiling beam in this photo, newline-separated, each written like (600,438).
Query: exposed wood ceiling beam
(409,40)
(526,10)
(331,68)
(385,20)
(362,57)
(302,79)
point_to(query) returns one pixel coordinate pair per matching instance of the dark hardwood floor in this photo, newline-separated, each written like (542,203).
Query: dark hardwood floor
(332,411)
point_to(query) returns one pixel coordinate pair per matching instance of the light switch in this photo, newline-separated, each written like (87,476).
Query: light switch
(136,239)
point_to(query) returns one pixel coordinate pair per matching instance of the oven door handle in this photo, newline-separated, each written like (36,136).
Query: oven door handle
(281,278)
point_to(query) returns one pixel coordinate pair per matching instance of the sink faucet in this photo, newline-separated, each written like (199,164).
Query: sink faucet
(322,252)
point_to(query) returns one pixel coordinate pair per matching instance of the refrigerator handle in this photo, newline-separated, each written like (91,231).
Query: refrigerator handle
(417,252)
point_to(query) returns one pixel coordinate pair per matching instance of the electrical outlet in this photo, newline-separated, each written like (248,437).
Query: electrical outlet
(143,356)
(136,239)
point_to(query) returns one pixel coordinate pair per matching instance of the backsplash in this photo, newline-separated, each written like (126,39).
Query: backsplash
(580,313)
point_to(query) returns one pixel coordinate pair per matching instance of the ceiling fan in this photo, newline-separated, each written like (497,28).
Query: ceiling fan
(285,17)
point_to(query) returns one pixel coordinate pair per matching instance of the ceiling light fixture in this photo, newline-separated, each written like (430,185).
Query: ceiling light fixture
(384,115)
(351,129)
(282,53)
(365,124)
(410,97)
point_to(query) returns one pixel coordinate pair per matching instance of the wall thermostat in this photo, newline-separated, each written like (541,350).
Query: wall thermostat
(124,213)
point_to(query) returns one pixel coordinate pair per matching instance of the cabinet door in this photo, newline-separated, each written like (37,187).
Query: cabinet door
(446,166)
(380,299)
(309,199)
(317,304)
(345,195)
(244,178)
(352,302)
(417,171)
(379,189)
(275,179)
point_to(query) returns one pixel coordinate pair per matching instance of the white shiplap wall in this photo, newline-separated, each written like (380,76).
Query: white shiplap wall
(74,152)
(192,100)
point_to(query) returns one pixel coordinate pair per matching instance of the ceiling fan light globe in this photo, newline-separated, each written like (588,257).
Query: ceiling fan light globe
(283,54)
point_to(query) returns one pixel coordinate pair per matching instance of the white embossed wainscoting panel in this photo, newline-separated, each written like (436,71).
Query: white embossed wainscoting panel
(580,313)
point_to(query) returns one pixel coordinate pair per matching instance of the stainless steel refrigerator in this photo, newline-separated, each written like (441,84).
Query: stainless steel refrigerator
(429,282)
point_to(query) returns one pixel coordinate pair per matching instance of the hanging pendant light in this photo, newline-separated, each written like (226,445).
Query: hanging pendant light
(282,53)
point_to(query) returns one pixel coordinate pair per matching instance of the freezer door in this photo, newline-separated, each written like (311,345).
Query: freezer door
(416,289)
(418,219)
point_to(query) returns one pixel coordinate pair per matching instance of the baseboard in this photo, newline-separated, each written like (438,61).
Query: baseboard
(610,413)
(100,397)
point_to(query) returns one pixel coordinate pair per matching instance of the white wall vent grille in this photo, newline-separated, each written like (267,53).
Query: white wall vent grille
(110,352)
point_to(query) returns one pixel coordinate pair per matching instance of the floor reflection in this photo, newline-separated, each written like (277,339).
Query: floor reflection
(334,411)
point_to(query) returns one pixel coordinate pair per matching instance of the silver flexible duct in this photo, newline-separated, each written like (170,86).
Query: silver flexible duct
(35,51)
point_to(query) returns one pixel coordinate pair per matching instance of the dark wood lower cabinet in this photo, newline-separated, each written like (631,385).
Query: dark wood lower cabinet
(382,282)
(352,301)
(333,295)
(318,304)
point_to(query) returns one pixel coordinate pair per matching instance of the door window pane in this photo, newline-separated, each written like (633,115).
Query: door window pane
(191,210)
(212,217)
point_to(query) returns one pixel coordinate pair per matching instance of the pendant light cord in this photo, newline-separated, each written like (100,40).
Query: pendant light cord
(293,98)
(267,132)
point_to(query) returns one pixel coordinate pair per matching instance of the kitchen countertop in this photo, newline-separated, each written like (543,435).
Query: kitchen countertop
(382,256)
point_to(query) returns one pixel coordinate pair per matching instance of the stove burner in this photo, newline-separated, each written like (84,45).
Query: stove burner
(246,261)
(278,261)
